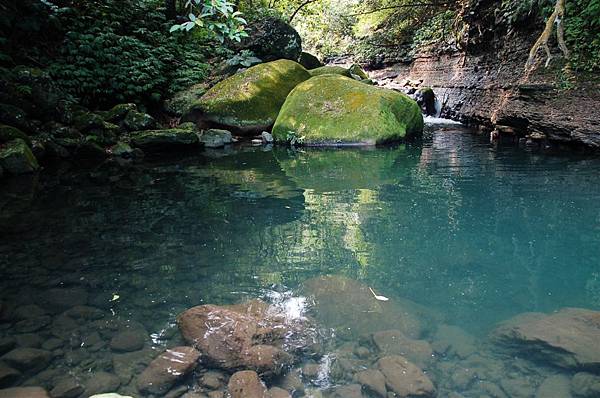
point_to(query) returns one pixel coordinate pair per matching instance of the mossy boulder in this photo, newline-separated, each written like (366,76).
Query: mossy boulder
(9,133)
(158,140)
(17,158)
(118,112)
(336,110)
(249,101)
(135,121)
(309,61)
(182,101)
(330,70)
(357,72)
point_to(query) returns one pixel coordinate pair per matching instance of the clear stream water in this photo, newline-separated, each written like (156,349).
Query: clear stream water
(473,232)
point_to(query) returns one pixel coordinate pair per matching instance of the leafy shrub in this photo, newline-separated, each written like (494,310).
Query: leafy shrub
(582,30)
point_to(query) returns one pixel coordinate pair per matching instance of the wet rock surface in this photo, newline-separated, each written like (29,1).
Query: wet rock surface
(565,339)
(246,384)
(169,367)
(241,336)
(404,378)
(351,308)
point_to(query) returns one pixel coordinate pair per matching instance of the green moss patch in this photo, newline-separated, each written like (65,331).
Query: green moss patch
(332,109)
(250,100)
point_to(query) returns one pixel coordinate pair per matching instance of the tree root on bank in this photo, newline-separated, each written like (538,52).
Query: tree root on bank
(557,18)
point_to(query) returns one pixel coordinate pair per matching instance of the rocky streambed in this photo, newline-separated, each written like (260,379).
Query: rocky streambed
(331,337)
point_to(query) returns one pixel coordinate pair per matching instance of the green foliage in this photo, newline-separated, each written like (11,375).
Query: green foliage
(106,59)
(217,17)
(582,30)
(437,29)
(244,58)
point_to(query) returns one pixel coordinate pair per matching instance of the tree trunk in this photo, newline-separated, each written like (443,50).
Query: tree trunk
(557,18)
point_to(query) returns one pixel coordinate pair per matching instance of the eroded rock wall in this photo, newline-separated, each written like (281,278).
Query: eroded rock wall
(486,84)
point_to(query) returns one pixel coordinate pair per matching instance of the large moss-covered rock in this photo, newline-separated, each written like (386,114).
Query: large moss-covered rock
(330,70)
(336,110)
(309,61)
(248,101)
(271,38)
(16,157)
(164,139)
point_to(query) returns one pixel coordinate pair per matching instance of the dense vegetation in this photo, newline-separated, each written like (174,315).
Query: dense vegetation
(107,51)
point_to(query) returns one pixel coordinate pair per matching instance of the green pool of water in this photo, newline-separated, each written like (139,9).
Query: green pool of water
(474,233)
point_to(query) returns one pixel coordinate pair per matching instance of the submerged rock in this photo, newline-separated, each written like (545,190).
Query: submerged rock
(248,101)
(67,388)
(349,307)
(336,110)
(17,158)
(128,340)
(555,386)
(404,378)
(568,338)
(246,336)
(586,385)
(24,392)
(27,360)
(372,380)
(101,382)
(453,341)
(8,376)
(151,140)
(246,384)
(169,367)
(394,342)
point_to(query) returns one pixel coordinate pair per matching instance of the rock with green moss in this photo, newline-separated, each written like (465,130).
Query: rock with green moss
(309,61)
(357,72)
(182,101)
(9,133)
(336,110)
(118,112)
(86,121)
(157,140)
(248,102)
(17,158)
(136,121)
(330,70)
